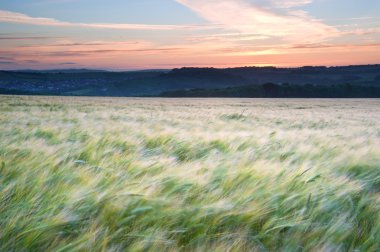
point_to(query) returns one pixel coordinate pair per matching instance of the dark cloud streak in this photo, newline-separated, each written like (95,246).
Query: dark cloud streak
(7,63)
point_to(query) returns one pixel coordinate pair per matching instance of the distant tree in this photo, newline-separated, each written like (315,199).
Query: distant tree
(271,90)
(348,90)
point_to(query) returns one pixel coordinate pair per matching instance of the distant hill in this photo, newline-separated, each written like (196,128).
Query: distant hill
(74,70)
(271,90)
(183,81)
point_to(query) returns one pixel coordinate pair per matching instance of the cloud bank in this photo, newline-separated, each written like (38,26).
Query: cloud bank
(260,17)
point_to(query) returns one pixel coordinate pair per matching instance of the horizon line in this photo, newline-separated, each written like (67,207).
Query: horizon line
(182,67)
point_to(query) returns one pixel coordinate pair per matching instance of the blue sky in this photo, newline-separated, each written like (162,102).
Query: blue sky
(140,34)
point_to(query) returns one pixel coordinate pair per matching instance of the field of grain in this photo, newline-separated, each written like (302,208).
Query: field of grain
(123,174)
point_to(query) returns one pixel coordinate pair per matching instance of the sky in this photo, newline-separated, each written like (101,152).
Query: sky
(163,34)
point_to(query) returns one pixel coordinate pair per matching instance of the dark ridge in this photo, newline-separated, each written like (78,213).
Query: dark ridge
(322,81)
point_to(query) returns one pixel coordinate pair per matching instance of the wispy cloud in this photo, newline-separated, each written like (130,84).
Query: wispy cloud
(79,50)
(27,38)
(250,17)
(227,37)
(67,63)
(7,62)
(93,44)
(288,3)
(367,31)
(108,52)
(15,17)
(317,48)
(6,58)
(31,61)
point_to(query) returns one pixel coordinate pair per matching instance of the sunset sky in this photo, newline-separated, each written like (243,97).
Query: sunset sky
(160,34)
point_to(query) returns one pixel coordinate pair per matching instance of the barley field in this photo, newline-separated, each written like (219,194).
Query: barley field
(134,174)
